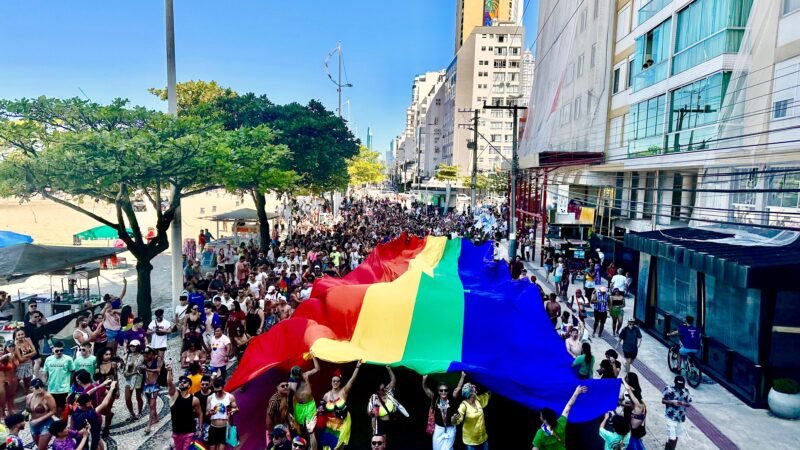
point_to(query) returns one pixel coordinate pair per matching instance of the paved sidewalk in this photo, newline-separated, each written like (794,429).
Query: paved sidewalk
(717,418)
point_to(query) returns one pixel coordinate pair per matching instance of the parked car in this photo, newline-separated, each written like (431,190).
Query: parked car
(139,205)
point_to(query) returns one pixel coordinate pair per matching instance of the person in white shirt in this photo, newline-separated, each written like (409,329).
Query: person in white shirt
(355,259)
(254,285)
(159,330)
(619,281)
(305,293)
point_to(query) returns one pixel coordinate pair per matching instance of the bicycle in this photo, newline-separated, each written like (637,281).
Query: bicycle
(690,370)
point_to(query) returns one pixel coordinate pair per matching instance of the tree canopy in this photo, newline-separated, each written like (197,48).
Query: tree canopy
(366,167)
(446,173)
(72,149)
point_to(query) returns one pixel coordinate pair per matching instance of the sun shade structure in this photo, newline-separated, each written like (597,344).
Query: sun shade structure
(101,232)
(24,260)
(434,305)
(241,215)
(11,238)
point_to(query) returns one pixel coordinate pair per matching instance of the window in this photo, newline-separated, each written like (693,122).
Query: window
(513,89)
(650,184)
(626,126)
(514,51)
(438,102)
(781,108)
(596,11)
(577,108)
(593,55)
(483,48)
(630,74)
(647,118)
(566,113)
(497,114)
(579,66)
(716,15)
(497,125)
(513,76)
(501,38)
(497,101)
(589,102)
(499,77)
(615,82)
(744,185)
(495,137)
(508,138)
(514,64)
(569,75)
(583,20)
(508,126)
(499,63)
(498,89)
(698,104)
(501,51)
(615,132)
(784,181)
(623,22)
(790,6)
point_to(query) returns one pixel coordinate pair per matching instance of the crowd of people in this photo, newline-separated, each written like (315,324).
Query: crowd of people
(245,293)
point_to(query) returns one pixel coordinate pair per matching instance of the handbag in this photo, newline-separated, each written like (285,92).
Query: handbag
(232,436)
(431,426)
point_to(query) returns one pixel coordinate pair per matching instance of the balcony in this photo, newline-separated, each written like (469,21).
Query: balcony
(724,41)
(650,76)
(651,8)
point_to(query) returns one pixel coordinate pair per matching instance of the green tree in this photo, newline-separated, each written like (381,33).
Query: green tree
(366,167)
(256,166)
(497,183)
(194,95)
(448,174)
(71,150)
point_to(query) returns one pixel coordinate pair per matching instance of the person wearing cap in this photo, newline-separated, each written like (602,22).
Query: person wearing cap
(676,399)
(184,410)
(181,309)
(42,407)
(631,339)
(600,300)
(57,372)
(87,412)
(134,379)
(15,424)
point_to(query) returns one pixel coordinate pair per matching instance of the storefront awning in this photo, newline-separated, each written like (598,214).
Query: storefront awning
(741,266)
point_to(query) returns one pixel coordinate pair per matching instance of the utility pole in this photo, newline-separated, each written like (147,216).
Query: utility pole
(474,183)
(339,51)
(512,219)
(172,109)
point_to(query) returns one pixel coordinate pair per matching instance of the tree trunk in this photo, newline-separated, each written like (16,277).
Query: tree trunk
(144,298)
(260,199)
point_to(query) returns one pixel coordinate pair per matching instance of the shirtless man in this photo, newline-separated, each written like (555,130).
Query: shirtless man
(304,405)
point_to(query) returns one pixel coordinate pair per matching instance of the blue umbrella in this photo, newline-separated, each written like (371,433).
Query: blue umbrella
(10,238)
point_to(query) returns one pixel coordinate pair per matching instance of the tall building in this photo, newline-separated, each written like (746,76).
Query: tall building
(479,13)
(486,70)
(418,137)
(528,70)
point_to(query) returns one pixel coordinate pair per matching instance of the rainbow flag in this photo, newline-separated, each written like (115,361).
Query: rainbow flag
(434,305)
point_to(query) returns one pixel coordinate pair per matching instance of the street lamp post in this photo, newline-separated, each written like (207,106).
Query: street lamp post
(338,81)
(172,109)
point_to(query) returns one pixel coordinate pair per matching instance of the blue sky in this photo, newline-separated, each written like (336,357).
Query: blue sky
(116,49)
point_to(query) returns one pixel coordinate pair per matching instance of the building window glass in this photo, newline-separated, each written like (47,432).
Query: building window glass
(623,22)
(677,289)
(579,66)
(596,10)
(726,304)
(781,108)
(592,55)
(652,54)
(630,74)
(499,77)
(743,185)
(784,181)
(647,125)
(577,108)
(584,14)
(696,105)
(615,83)
(790,6)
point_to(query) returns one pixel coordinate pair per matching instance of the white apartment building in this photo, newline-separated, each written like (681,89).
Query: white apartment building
(486,70)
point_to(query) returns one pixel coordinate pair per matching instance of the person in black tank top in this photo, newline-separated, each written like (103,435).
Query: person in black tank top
(185,412)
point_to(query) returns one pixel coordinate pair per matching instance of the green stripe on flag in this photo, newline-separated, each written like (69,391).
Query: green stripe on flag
(437,325)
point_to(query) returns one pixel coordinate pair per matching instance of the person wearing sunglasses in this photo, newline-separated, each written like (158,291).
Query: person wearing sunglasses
(443,407)
(41,406)
(185,412)
(57,373)
(378,442)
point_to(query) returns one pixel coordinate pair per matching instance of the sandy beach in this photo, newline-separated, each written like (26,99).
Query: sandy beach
(52,224)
